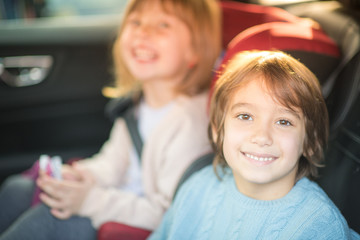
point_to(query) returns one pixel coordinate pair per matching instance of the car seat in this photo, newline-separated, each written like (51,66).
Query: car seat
(340,178)
(307,41)
(238,16)
(343,26)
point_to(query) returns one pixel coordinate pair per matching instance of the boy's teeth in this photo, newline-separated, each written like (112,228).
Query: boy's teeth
(261,159)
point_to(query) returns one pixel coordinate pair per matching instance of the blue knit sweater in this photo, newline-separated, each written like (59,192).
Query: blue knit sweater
(206,208)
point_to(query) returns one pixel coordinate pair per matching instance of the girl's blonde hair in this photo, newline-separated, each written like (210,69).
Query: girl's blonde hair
(203,19)
(292,85)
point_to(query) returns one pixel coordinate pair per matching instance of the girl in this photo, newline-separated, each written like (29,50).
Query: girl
(268,124)
(164,55)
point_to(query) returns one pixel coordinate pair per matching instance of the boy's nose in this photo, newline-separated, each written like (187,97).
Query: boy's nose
(262,135)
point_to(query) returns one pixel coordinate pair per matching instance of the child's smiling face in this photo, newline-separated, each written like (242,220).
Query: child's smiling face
(263,141)
(156,45)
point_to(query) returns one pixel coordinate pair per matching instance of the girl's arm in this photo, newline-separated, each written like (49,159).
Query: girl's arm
(180,139)
(109,165)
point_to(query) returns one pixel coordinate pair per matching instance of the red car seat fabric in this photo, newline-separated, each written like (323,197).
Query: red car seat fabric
(118,231)
(238,16)
(308,44)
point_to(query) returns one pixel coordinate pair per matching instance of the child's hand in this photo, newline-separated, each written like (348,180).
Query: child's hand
(68,172)
(66,196)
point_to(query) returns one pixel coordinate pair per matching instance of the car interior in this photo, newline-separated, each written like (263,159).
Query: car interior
(332,54)
(51,82)
(62,112)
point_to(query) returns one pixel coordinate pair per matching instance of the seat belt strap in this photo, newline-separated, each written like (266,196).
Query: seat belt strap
(132,125)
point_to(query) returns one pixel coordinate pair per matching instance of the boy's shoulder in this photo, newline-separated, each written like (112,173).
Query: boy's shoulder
(200,181)
(206,175)
(314,192)
(322,213)
(315,196)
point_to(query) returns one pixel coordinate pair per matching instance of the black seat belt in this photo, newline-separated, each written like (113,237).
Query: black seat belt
(125,107)
(132,125)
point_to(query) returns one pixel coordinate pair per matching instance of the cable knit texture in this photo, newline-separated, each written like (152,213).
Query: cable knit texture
(207,208)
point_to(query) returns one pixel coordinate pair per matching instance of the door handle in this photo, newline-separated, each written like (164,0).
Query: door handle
(22,71)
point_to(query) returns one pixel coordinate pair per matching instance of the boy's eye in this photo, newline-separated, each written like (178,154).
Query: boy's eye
(284,122)
(244,116)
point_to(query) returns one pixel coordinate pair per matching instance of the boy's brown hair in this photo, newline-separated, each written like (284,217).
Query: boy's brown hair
(292,84)
(203,19)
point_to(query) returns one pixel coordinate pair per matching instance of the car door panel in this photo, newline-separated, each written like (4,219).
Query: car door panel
(63,114)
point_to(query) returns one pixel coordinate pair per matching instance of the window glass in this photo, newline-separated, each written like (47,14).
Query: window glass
(27,9)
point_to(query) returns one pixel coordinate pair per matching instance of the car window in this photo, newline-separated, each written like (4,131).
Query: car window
(10,9)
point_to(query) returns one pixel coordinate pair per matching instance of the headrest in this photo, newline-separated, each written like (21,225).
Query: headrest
(311,46)
(238,16)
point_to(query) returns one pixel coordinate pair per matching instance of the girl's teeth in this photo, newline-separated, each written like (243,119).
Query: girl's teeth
(144,54)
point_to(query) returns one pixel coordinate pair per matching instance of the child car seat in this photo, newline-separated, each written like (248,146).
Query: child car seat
(238,16)
(343,26)
(304,42)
